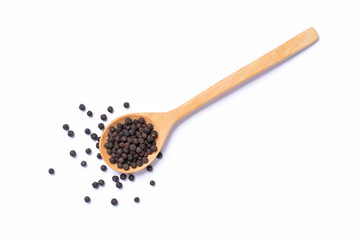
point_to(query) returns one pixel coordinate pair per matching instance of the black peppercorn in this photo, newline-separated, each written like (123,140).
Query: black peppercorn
(126,105)
(51,171)
(87,199)
(97,145)
(159,156)
(101,182)
(110,109)
(118,184)
(126,166)
(71,133)
(66,127)
(103,117)
(94,136)
(95,184)
(88,151)
(89,113)
(152,183)
(136,199)
(123,176)
(131,177)
(101,126)
(114,201)
(83,163)
(115,178)
(103,168)
(82,107)
(99,156)
(149,168)
(73,153)
(87,131)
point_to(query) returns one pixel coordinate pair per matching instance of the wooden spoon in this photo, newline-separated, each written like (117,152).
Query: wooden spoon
(163,122)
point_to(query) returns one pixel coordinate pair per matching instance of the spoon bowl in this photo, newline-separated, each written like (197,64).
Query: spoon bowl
(163,122)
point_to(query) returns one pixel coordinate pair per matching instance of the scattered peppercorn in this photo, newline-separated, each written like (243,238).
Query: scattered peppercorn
(88,151)
(51,171)
(131,177)
(160,155)
(95,184)
(103,117)
(152,183)
(114,201)
(136,199)
(115,178)
(87,199)
(103,168)
(101,126)
(82,107)
(119,185)
(126,105)
(110,109)
(71,133)
(149,168)
(101,182)
(99,156)
(94,136)
(123,176)
(87,131)
(97,145)
(66,127)
(83,163)
(89,113)
(73,153)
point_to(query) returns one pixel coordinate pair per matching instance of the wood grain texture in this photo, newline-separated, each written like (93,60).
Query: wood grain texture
(163,122)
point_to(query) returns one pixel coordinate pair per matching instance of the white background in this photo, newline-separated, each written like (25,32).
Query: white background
(278,158)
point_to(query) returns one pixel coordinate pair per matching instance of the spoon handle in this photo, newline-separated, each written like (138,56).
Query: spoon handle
(273,57)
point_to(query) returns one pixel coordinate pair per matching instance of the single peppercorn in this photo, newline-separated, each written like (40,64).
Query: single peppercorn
(103,168)
(101,126)
(82,107)
(87,131)
(66,127)
(110,109)
(88,151)
(94,136)
(149,168)
(126,105)
(131,177)
(160,155)
(123,176)
(136,199)
(87,199)
(71,133)
(83,163)
(99,156)
(103,117)
(114,201)
(95,184)
(73,153)
(89,113)
(101,182)
(152,183)
(115,178)
(51,171)
(97,145)
(118,185)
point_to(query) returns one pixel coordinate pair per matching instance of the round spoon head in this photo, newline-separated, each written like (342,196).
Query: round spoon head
(162,125)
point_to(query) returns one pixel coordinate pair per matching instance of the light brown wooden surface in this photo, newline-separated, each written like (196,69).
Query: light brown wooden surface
(163,122)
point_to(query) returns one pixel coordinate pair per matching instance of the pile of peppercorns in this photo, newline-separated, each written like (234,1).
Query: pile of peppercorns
(135,138)
(130,143)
